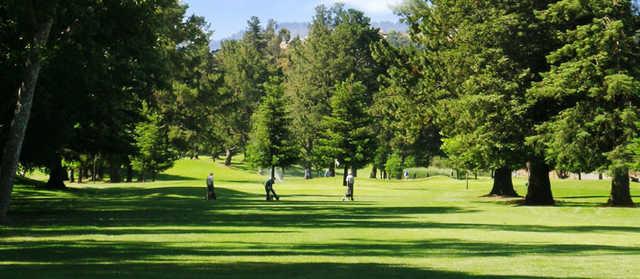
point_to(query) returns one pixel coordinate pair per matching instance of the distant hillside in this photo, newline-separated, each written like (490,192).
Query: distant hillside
(301,29)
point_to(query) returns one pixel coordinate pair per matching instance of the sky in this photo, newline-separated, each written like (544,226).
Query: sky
(230,16)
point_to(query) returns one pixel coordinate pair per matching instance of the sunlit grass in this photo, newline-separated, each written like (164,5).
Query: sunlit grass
(432,227)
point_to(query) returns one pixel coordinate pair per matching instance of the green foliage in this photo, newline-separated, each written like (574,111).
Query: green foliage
(633,149)
(479,59)
(347,135)
(271,143)
(190,102)
(394,166)
(594,76)
(403,109)
(154,151)
(338,47)
(246,65)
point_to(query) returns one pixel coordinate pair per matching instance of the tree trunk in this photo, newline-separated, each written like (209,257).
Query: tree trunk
(72,178)
(141,176)
(374,173)
(620,193)
(539,186)
(600,176)
(129,173)
(332,170)
(114,170)
(65,174)
(502,183)
(354,172)
(273,173)
(80,174)
(307,172)
(56,173)
(227,158)
(22,113)
(579,176)
(93,169)
(100,170)
(344,175)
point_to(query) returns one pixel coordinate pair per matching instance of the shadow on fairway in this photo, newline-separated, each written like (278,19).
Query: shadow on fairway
(185,206)
(182,210)
(84,251)
(241,270)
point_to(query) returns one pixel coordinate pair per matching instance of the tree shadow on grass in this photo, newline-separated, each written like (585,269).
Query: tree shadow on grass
(91,256)
(569,201)
(249,270)
(185,206)
(120,211)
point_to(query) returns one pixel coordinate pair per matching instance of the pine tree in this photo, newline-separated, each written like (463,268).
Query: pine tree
(479,58)
(271,143)
(338,46)
(595,78)
(154,151)
(347,134)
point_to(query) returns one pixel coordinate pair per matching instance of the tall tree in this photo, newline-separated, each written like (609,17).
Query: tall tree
(246,68)
(309,86)
(38,16)
(403,109)
(271,142)
(338,46)
(348,136)
(154,151)
(595,77)
(481,57)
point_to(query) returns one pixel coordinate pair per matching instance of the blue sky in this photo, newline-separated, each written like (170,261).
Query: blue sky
(230,16)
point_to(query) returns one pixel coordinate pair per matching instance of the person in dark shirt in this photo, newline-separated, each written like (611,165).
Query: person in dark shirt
(268,188)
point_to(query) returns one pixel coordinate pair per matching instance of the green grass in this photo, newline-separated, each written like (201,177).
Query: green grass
(424,228)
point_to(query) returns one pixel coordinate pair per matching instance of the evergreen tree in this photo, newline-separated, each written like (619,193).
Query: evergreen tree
(348,136)
(271,142)
(154,151)
(309,85)
(403,113)
(246,65)
(338,47)
(595,78)
(479,58)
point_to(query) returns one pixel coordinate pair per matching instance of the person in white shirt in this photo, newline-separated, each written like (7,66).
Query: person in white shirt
(350,181)
(211,193)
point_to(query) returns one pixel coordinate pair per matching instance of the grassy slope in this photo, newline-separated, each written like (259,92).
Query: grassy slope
(424,228)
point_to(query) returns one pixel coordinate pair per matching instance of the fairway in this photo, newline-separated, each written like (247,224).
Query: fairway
(417,229)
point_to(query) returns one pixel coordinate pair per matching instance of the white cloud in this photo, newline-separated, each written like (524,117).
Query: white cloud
(368,6)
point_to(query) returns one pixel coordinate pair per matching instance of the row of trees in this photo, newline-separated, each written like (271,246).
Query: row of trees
(493,85)
(550,83)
